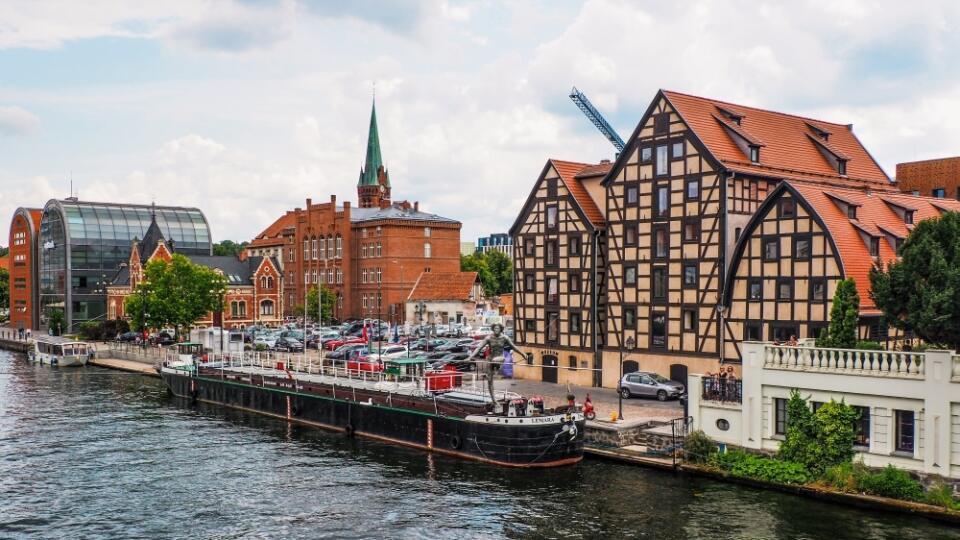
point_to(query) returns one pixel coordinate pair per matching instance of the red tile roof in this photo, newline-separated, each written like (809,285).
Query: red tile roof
(875,215)
(569,172)
(444,286)
(789,149)
(270,235)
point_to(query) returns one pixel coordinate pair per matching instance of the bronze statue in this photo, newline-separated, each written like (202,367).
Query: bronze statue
(495,342)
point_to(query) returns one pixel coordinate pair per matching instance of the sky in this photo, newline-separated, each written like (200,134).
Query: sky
(246,108)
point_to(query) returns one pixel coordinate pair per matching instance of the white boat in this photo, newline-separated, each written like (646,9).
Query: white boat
(59,351)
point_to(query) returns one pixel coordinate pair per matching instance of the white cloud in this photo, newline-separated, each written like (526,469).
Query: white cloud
(17,121)
(472,98)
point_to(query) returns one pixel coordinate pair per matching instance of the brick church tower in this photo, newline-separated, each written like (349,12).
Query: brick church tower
(373,188)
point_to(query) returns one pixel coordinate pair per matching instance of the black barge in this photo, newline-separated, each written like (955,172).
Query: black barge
(435,411)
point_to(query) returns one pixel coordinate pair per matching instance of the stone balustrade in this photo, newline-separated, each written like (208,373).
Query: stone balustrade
(956,368)
(901,364)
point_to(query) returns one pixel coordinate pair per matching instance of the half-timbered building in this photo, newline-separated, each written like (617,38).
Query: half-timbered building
(559,267)
(690,179)
(802,241)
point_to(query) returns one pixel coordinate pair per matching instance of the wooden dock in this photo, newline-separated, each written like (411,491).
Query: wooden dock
(126,365)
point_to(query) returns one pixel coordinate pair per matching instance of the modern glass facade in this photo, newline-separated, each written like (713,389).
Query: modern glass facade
(83,244)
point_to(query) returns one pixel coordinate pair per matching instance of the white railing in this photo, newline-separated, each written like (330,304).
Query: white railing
(847,361)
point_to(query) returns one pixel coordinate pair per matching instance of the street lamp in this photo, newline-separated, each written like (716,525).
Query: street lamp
(628,344)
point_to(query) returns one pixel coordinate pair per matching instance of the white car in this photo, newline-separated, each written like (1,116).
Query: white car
(269,340)
(394,351)
(483,331)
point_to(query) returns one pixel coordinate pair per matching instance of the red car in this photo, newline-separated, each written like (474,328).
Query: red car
(334,344)
(363,364)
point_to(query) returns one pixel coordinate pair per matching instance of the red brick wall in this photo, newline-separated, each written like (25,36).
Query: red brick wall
(22,246)
(925,176)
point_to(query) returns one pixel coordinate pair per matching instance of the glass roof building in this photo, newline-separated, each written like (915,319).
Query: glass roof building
(82,245)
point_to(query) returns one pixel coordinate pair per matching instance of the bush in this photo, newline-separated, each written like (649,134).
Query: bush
(698,447)
(845,476)
(260,347)
(740,463)
(940,494)
(891,482)
(818,440)
(869,345)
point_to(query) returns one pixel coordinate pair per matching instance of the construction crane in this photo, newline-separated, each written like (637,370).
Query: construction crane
(598,120)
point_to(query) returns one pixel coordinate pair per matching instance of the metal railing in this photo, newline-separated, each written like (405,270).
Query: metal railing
(721,389)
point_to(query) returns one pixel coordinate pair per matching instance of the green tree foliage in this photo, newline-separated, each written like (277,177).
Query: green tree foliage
(818,440)
(740,463)
(4,251)
(4,288)
(844,318)
(495,270)
(55,321)
(176,294)
(229,247)
(104,330)
(920,292)
(329,298)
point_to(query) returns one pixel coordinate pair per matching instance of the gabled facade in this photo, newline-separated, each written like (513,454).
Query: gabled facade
(691,177)
(254,284)
(802,241)
(559,267)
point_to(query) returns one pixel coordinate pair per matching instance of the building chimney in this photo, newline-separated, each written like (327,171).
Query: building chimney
(416,206)
(602,161)
(309,202)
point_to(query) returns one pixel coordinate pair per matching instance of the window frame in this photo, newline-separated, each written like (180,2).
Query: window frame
(691,181)
(780,416)
(751,329)
(574,245)
(790,283)
(696,275)
(861,427)
(692,312)
(551,255)
(655,245)
(661,160)
(631,234)
(691,224)
(529,282)
(552,334)
(556,216)
(796,244)
(770,240)
(629,314)
(782,208)
(574,282)
(813,284)
(552,299)
(664,273)
(634,191)
(575,322)
(900,438)
(658,212)
(627,272)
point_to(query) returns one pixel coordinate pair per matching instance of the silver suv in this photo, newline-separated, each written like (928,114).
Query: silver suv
(646,384)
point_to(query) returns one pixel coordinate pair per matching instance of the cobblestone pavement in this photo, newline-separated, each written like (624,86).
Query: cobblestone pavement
(604,399)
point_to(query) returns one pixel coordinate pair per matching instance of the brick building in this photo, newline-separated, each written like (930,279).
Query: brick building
(370,255)
(253,283)
(939,178)
(24,227)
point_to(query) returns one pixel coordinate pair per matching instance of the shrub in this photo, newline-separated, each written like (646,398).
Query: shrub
(845,476)
(260,347)
(891,482)
(818,440)
(869,345)
(740,463)
(940,494)
(698,447)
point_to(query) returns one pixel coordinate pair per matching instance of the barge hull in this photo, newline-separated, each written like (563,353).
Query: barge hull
(511,446)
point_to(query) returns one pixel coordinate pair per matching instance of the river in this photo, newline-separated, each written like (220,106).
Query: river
(93,453)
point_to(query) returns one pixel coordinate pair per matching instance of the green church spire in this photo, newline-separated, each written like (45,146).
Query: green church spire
(368,176)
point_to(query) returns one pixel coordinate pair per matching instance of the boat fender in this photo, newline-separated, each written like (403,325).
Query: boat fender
(348,430)
(193,396)
(455,442)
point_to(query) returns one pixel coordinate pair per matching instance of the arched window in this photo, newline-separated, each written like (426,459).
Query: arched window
(306,249)
(315,248)
(323,248)
(269,282)
(426,250)
(379,250)
(113,309)
(329,247)
(266,307)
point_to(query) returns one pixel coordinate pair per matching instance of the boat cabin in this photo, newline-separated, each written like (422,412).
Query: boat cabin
(60,351)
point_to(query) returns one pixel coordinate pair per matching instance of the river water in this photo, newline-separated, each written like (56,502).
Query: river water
(93,453)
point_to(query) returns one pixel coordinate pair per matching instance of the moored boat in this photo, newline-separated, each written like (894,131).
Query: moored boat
(59,351)
(438,411)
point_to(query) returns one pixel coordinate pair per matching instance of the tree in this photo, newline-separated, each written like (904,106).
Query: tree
(4,251)
(176,293)
(920,292)
(229,247)
(55,321)
(494,268)
(329,298)
(4,289)
(844,317)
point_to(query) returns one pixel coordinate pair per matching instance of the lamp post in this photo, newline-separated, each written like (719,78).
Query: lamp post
(628,344)
(220,295)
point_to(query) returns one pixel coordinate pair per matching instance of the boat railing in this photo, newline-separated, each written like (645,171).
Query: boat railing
(293,366)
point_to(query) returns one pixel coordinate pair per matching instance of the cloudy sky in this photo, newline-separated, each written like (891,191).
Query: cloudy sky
(246,108)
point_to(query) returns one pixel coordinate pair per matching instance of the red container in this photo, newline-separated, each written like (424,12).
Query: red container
(279,366)
(446,379)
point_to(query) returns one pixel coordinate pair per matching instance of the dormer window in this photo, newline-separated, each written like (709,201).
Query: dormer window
(874,246)
(908,217)
(851,211)
(842,167)
(732,116)
(755,154)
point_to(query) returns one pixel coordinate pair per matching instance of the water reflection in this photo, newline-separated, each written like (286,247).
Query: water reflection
(96,454)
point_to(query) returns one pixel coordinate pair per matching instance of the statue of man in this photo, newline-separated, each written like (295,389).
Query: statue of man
(495,343)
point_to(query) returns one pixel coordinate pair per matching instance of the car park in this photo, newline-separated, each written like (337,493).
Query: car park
(648,384)
(288,344)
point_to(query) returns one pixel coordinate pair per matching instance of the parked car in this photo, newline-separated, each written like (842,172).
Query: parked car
(163,338)
(646,384)
(288,344)
(457,360)
(268,340)
(129,337)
